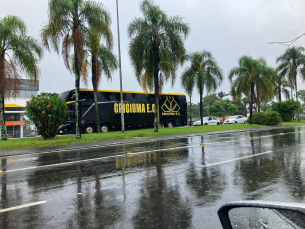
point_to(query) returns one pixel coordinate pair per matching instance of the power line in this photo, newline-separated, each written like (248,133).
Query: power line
(287,43)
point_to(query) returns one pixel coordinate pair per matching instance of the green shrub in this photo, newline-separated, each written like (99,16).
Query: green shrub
(222,108)
(287,109)
(47,111)
(266,118)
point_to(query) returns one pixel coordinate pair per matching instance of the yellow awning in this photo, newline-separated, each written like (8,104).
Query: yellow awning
(11,105)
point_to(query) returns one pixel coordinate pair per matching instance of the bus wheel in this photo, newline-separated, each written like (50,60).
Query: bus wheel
(161,125)
(89,129)
(170,125)
(104,128)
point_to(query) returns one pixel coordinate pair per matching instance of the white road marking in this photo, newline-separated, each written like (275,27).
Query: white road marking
(236,159)
(95,159)
(128,143)
(22,206)
(114,156)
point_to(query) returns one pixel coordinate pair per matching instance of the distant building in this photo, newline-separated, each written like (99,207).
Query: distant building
(14,108)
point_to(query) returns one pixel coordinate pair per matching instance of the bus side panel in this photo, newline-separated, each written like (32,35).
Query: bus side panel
(173,109)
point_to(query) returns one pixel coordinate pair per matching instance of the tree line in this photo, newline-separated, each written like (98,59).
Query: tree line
(80,31)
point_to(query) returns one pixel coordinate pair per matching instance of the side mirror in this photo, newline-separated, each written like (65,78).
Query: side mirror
(262,214)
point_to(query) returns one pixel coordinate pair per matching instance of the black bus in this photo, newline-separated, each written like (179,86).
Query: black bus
(139,110)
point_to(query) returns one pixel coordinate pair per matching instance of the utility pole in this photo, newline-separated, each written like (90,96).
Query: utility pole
(120,68)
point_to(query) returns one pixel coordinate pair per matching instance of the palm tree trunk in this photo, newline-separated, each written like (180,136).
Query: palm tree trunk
(251,101)
(200,97)
(296,95)
(94,83)
(190,110)
(2,117)
(156,81)
(77,107)
(291,89)
(280,95)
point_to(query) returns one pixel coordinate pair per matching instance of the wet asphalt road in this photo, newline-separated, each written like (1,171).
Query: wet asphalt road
(173,183)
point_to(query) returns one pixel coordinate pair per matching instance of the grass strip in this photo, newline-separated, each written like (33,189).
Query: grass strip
(293,123)
(26,143)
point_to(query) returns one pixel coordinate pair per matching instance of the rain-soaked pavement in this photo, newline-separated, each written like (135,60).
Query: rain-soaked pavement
(174,183)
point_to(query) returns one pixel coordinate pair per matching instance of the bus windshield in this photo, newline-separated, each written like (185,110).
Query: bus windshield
(64,95)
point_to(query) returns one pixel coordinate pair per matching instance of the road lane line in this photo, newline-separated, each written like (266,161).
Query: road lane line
(114,156)
(129,143)
(95,159)
(22,206)
(236,159)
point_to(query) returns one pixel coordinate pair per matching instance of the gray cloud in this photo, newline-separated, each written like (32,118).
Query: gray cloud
(229,29)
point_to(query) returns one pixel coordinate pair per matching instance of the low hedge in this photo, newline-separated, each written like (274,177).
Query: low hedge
(266,118)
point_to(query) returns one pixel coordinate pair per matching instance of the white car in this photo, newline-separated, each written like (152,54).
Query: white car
(209,120)
(236,119)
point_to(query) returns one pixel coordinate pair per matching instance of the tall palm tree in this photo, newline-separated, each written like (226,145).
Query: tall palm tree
(156,46)
(280,87)
(252,74)
(264,84)
(69,22)
(102,60)
(26,52)
(205,72)
(188,83)
(291,63)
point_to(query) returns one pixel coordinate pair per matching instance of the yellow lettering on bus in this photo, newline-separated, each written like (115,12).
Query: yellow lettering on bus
(138,107)
(127,108)
(116,109)
(143,108)
(148,108)
(134,108)
(153,108)
(119,107)
(124,107)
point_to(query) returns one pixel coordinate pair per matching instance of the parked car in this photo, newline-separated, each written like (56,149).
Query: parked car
(236,119)
(209,120)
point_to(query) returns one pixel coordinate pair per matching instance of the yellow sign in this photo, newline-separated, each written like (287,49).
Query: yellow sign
(170,106)
(135,108)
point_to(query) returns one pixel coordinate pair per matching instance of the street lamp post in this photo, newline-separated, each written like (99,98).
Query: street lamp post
(120,68)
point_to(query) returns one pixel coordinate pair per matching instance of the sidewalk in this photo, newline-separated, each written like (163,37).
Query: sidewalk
(83,146)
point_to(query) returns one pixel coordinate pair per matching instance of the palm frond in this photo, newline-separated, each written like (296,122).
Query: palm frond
(65,51)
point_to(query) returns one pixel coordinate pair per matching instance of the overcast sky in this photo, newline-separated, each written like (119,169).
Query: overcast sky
(228,29)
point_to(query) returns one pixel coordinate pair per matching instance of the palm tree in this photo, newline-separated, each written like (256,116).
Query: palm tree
(205,72)
(280,87)
(188,83)
(69,22)
(252,74)
(264,84)
(26,52)
(102,60)
(157,46)
(290,63)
